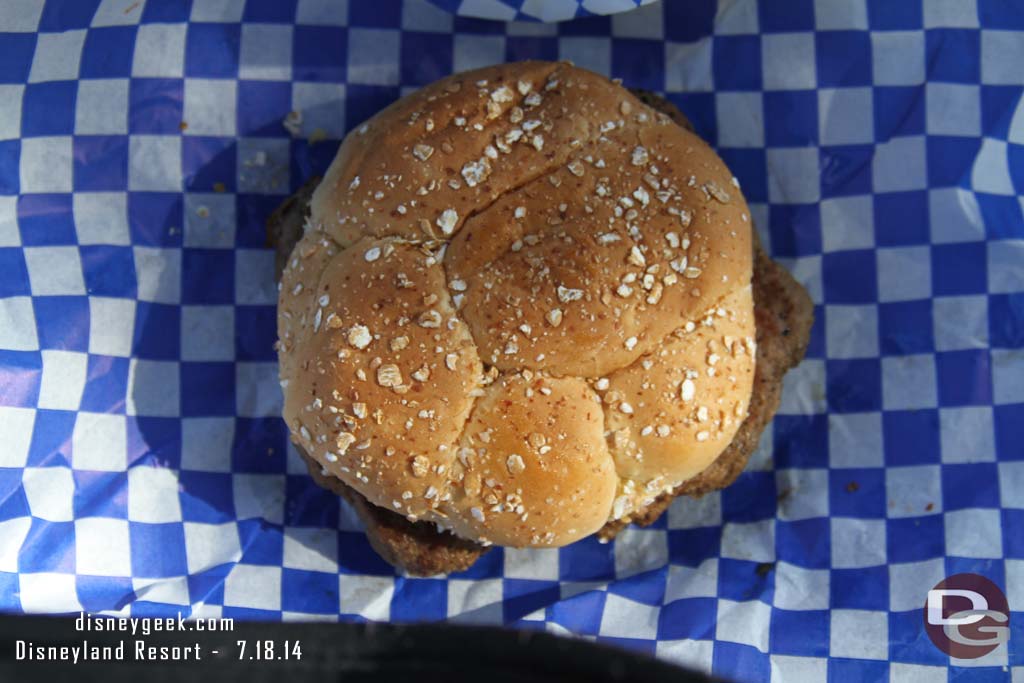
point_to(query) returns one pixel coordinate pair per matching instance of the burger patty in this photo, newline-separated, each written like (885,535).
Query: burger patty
(783,315)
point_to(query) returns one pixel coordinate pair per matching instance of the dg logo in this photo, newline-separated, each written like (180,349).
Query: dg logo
(967,616)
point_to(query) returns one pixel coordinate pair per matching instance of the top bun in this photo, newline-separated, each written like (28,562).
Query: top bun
(521,307)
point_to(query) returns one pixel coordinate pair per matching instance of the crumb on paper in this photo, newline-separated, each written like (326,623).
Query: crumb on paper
(318,135)
(183,126)
(219,187)
(271,176)
(256,160)
(293,123)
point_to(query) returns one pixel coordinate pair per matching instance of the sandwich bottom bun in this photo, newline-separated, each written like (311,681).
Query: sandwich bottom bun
(597,444)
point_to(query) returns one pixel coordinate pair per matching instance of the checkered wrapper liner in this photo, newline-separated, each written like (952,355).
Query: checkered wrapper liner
(537,10)
(144,468)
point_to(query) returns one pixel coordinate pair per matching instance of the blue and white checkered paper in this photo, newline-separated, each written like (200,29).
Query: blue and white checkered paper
(143,465)
(537,10)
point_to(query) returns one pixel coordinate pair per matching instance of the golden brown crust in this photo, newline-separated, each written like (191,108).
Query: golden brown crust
(622,241)
(407,154)
(417,547)
(580,229)
(421,549)
(784,314)
(533,463)
(671,413)
(382,384)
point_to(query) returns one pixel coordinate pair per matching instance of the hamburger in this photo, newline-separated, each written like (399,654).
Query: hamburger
(525,305)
